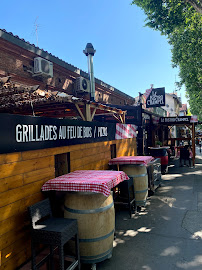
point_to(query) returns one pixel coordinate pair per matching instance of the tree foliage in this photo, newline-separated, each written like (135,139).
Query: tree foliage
(182,24)
(197,4)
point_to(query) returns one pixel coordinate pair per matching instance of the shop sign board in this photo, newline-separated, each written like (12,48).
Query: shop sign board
(175,120)
(23,133)
(156,98)
(133,116)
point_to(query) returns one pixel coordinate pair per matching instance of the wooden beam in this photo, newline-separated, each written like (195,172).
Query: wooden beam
(116,118)
(80,112)
(121,119)
(170,127)
(87,112)
(124,117)
(105,108)
(93,114)
(189,127)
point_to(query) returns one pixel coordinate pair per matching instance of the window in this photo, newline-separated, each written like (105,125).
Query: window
(113,150)
(62,164)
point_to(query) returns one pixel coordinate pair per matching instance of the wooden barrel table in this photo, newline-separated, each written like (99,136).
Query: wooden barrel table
(140,180)
(96,223)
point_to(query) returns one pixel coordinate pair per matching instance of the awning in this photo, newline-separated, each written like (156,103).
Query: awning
(31,100)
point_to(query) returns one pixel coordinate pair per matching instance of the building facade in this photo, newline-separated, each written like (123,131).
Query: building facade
(17,61)
(173,104)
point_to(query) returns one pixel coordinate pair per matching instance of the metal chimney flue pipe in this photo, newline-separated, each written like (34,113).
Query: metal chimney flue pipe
(89,52)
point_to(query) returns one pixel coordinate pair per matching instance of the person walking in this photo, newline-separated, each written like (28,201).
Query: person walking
(190,155)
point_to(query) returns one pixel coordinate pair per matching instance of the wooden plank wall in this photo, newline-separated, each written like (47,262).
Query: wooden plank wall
(21,178)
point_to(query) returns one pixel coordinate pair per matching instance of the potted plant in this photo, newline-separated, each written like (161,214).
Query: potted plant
(158,144)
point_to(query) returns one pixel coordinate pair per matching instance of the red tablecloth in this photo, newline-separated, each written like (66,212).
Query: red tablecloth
(131,160)
(98,181)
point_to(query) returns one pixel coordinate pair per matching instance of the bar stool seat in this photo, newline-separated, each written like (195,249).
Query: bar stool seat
(54,232)
(125,195)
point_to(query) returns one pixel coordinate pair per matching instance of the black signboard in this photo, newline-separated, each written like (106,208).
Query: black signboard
(22,133)
(156,98)
(133,115)
(175,120)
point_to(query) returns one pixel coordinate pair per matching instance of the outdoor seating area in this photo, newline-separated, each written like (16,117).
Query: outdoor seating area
(87,180)
(90,200)
(84,208)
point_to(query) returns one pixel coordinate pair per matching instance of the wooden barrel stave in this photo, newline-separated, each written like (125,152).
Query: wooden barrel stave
(140,179)
(96,222)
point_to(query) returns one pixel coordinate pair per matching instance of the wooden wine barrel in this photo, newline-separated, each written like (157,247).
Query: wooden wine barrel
(140,180)
(96,223)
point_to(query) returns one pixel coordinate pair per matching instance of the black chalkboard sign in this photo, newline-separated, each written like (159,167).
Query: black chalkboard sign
(156,98)
(22,133)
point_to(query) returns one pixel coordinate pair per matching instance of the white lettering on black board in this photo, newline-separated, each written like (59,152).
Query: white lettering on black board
(39,133)
(102,131)
(155,99)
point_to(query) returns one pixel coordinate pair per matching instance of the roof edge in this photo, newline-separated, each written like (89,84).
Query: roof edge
(8,36)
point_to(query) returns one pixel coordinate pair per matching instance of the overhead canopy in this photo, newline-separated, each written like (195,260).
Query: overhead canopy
(178,120)
(30,100)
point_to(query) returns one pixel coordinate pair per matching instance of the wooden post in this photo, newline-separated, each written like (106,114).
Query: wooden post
(80,112)
(193,143)
(88,113)
(93,113)
(124,117)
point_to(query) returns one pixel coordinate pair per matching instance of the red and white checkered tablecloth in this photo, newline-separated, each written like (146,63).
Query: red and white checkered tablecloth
(98,181)
(131,160)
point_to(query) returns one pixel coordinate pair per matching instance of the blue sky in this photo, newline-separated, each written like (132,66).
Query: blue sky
(128,56)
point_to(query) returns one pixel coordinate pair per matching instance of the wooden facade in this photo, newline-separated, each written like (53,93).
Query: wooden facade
(23,173)
(22,176)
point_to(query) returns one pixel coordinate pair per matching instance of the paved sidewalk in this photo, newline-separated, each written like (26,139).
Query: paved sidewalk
(167,234)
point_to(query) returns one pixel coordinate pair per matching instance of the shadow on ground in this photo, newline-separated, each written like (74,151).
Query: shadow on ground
(167,233)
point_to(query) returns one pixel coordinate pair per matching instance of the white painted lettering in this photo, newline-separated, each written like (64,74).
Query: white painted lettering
(42,134)
(37,134)
(46,133)
(102,131)
(18,135)
(25,133)
(55,133)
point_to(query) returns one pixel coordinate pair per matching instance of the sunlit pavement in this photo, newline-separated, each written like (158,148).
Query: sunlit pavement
(167,233)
